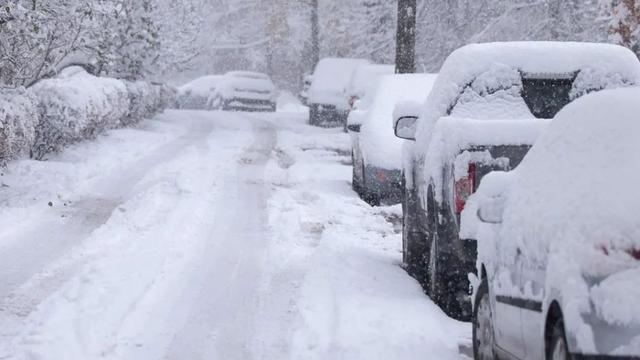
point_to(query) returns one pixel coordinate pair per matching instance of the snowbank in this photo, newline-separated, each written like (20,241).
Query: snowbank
(18,118)
(380,147)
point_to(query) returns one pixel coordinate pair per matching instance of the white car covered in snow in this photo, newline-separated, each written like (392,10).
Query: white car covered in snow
(195,94)
(559,240)
(377,153)
(364,78)
(487,108)
(244,91)
(328,100)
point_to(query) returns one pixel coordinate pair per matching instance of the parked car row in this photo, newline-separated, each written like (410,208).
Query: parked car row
(233,91)
(548,250)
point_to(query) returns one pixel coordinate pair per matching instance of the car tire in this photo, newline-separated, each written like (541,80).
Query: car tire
(483,332)
(443,283)
(557,348)
(368,195)
(355,184)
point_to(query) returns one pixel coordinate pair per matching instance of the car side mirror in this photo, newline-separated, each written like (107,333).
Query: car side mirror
(405,119)
(353,128)
(405,127)
(491,211)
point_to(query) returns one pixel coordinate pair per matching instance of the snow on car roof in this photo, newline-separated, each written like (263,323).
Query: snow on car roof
(330,80)
(247,74)
(600,66)
(364,76)
(202,85)
(380,146)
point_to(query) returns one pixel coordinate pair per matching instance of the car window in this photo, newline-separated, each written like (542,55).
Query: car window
(545,97)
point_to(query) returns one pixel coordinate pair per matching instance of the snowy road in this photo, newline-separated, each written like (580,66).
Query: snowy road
(207,236)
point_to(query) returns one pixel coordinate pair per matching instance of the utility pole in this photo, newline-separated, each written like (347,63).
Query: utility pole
(315,34)
(406,37)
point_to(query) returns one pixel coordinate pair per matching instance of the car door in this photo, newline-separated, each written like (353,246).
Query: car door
(533,292)
(506,290)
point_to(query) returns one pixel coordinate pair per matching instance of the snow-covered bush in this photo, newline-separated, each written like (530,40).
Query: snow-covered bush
(18,119)
(75,108)
(146,100)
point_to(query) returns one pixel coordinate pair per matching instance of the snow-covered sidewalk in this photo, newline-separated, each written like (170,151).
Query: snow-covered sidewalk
(207,236)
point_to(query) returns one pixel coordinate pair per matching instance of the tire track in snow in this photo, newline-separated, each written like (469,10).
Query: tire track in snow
(35,264)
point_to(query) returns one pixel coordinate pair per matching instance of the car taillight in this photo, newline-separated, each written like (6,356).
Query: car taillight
(352,102)
(634,253)
(464,187)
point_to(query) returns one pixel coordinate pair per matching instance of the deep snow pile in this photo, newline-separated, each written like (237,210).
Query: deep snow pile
(18,118)
(380,147)
(581,182)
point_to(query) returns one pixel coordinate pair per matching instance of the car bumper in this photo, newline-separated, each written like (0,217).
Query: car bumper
(241,104)
(385,184)
(329,115)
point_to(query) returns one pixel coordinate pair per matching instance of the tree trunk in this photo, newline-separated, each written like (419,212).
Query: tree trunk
(406,37)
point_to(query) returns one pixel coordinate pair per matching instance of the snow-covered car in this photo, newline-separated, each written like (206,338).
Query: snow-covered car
(328,99)
(363,79)
(244,91)
(304,94)
(195,94)
(488,106)
(559,240)
(376,152)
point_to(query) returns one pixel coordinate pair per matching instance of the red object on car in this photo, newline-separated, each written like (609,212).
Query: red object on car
(464,187)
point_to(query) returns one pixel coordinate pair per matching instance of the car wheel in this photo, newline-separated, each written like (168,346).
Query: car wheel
(355,183)
(558,349)
(368,195)
(483,332)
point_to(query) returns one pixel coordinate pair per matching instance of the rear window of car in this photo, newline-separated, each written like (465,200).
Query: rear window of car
(546,96)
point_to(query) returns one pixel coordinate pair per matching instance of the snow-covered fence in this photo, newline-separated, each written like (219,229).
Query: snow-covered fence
(18,119)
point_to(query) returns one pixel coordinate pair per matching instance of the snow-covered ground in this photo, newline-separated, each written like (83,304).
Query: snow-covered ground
(203,235)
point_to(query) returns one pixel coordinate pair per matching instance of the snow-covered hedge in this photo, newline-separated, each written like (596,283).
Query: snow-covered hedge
(75,108)
(78,106)
(18,119)
(145,100)
(72,107)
